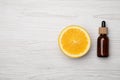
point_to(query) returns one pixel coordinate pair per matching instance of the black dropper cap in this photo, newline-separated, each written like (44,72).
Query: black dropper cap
(103,24)
(103,29)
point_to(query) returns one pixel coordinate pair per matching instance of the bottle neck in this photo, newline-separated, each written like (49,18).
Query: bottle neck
(103,34)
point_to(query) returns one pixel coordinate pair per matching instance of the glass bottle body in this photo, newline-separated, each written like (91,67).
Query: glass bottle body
(102,46)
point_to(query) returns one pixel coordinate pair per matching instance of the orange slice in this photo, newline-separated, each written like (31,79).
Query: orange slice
(74,41)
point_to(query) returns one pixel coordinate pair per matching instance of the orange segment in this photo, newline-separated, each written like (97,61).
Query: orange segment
(74,41)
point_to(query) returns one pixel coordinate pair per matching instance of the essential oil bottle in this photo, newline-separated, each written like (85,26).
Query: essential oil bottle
(103,41)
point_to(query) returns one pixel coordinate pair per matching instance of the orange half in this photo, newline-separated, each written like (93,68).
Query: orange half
(74,41)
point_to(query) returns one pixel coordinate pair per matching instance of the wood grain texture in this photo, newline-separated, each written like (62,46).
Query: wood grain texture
(29,31)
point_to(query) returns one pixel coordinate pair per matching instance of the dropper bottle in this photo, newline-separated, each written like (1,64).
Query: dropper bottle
(103,41)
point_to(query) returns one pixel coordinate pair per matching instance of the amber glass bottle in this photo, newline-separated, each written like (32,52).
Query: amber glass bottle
(103,41)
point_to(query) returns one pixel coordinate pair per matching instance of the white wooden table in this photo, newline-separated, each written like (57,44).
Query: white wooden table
(29,31)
